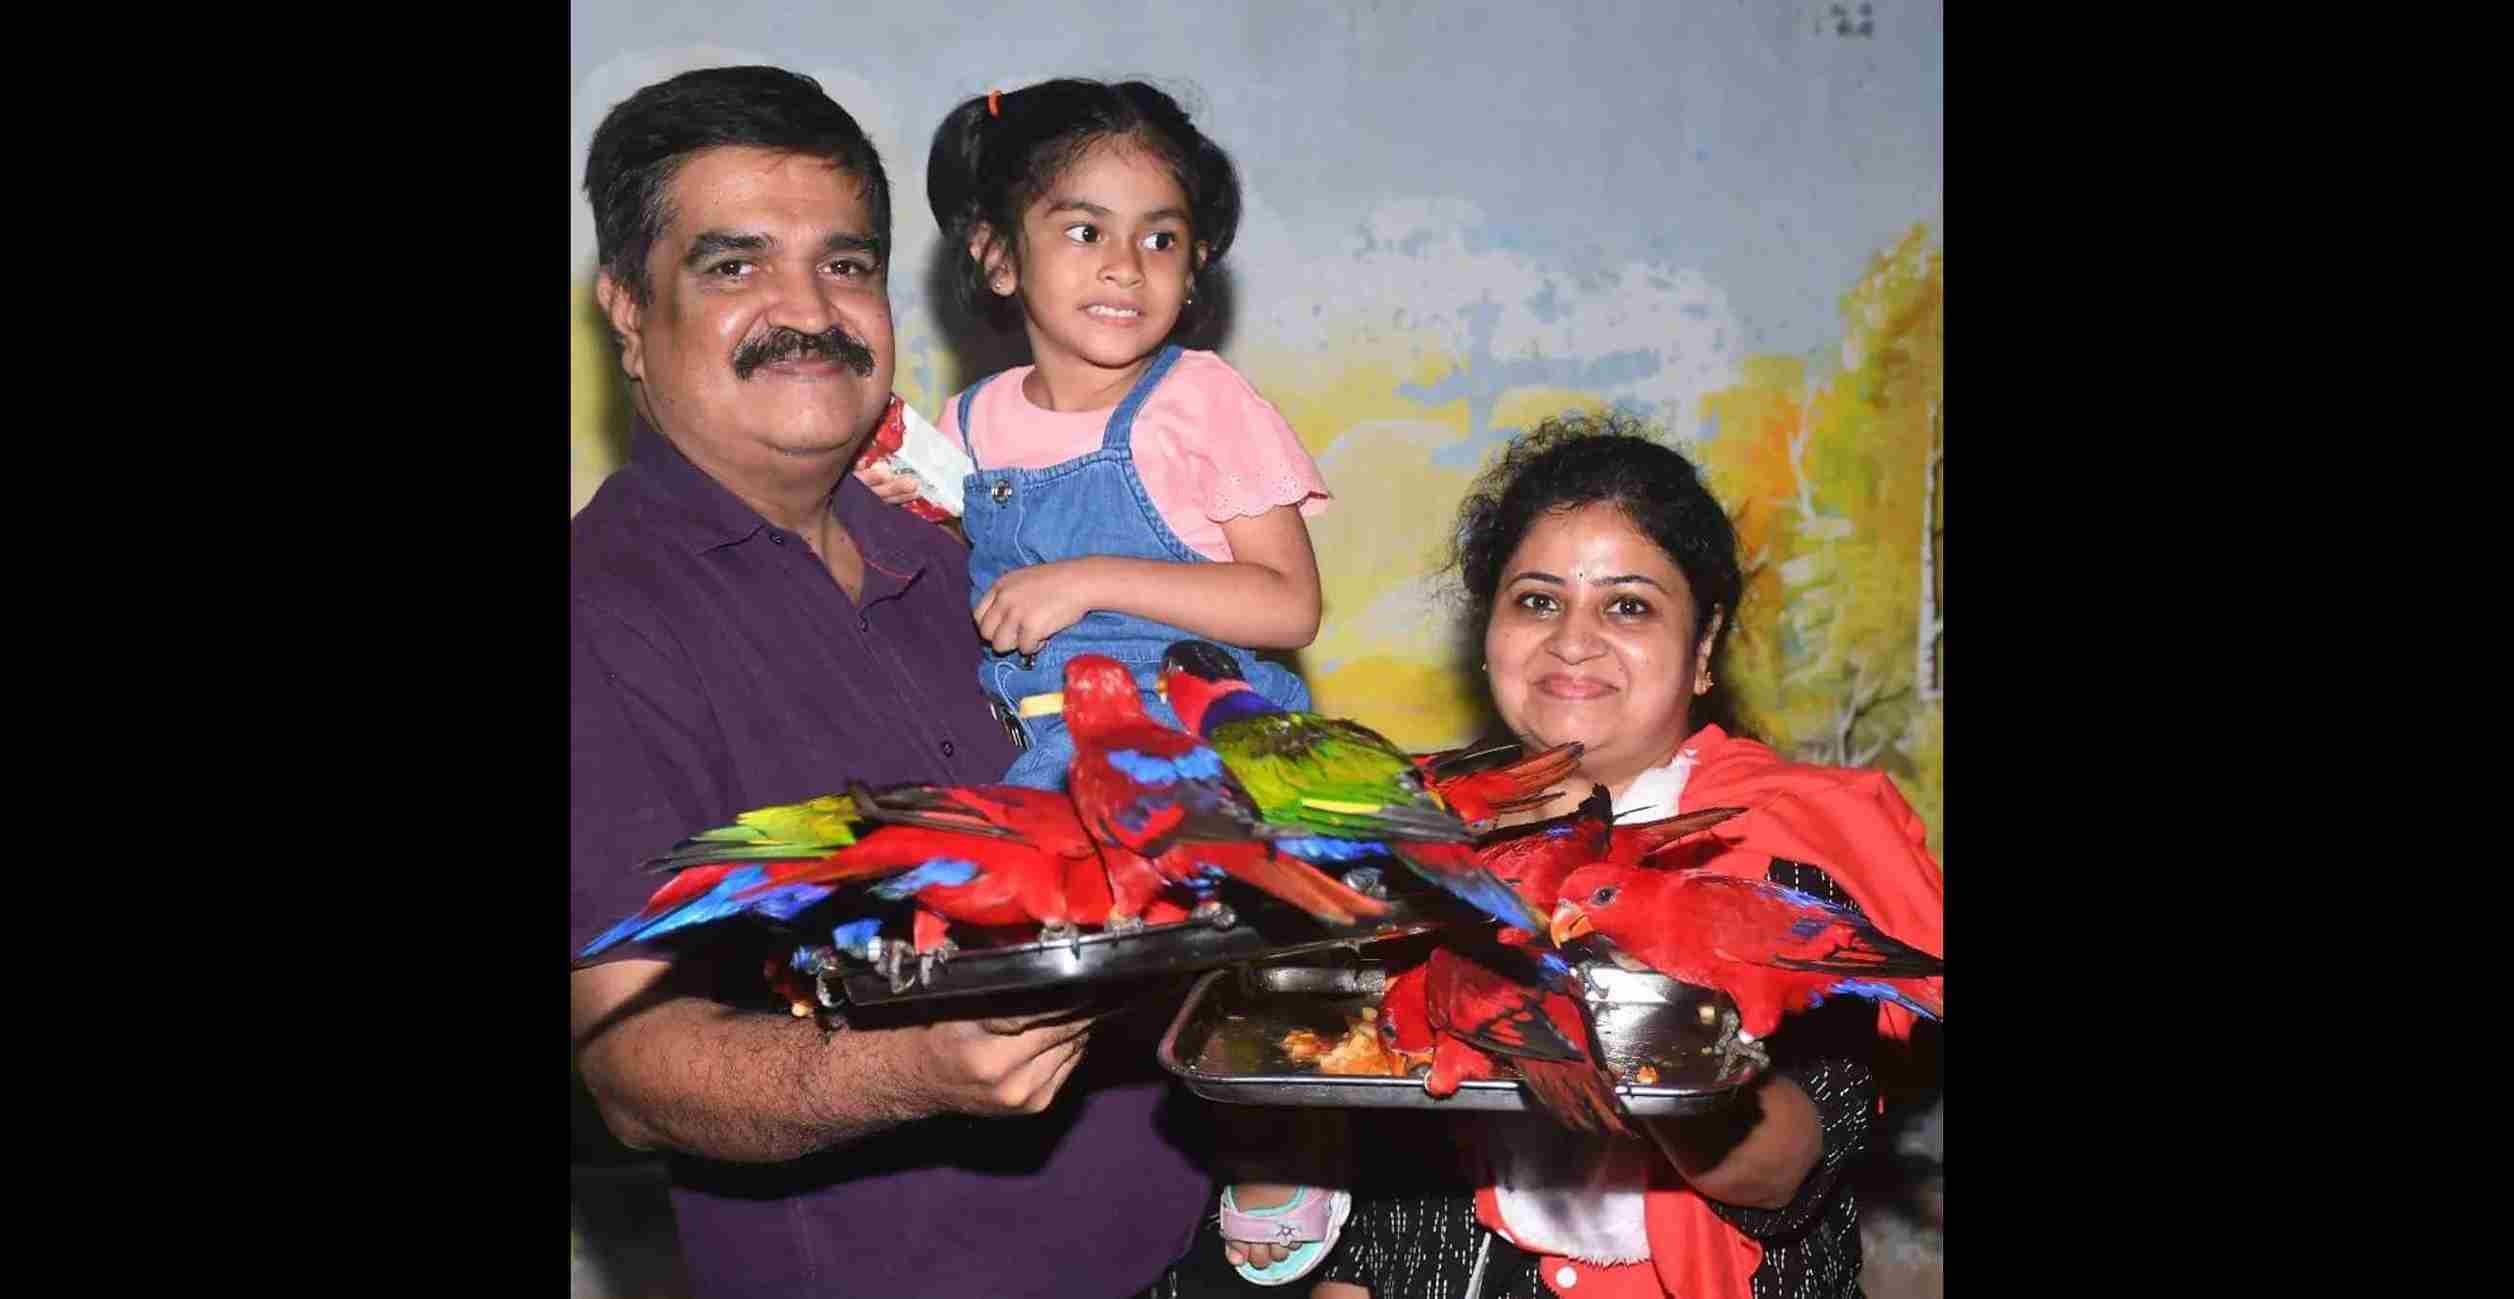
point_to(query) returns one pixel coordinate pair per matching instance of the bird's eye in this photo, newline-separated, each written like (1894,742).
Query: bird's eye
(1602,896)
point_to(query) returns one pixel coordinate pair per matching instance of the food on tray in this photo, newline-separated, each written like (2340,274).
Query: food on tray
(1359,1051)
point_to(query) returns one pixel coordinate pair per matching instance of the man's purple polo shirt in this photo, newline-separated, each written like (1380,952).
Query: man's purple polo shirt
(716,667)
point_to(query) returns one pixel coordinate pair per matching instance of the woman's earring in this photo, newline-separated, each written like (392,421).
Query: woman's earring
(1702,684)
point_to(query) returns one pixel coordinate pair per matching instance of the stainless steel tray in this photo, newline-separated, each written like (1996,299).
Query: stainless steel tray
(1262,931)
(1226,1043)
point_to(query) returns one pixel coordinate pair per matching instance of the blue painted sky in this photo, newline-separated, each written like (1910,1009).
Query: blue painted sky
(1741,140)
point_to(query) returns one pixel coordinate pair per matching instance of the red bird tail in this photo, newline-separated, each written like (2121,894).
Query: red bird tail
(1528,782)
(1634,842)
(1576,1093)
(1329,900)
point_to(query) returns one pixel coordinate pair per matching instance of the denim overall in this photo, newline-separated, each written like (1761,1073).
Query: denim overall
(1092,505)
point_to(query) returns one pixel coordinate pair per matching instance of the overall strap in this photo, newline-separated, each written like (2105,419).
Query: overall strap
(968,436)
(1121,430)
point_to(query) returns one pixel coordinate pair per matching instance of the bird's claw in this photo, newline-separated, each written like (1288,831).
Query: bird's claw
(1066,932)
(1216,913)
(820,963)
(1121,924)
(892,961)
(928,962)
(1735,1044)
(1369,881)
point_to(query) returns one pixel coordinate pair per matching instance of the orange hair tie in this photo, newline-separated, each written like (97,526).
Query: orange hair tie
(995,103)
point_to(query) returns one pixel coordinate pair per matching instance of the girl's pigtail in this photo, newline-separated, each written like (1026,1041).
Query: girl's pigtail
(953,189)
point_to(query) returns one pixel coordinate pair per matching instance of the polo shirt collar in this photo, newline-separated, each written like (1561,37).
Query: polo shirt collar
(703,511)
(707,514)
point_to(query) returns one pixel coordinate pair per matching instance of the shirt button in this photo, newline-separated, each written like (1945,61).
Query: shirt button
(776,538)
(946,748)
(1566,1278)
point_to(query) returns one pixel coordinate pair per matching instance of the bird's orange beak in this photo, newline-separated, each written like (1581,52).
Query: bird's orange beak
(1569,923)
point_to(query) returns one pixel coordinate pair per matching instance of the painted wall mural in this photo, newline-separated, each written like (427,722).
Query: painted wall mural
(1726,217)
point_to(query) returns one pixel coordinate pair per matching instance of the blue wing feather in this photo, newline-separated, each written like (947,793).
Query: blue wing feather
(1318,848)
(936,871)
(1876,992)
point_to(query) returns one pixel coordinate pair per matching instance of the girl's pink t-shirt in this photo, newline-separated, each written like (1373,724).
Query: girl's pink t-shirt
(1207,446)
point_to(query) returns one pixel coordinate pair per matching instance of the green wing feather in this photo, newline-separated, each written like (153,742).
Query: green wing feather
(789,831)
(1333,777)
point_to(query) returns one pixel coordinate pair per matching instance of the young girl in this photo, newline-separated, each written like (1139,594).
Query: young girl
(1127,492)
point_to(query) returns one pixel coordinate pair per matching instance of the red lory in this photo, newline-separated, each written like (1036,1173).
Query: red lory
(1773,950)
(1465,1012)
(1167,811)
(988,856)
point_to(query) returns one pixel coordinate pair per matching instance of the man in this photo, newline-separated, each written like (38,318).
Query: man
(750,626)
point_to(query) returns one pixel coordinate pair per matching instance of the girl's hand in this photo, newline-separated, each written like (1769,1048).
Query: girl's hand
(893,489)
(1028,605)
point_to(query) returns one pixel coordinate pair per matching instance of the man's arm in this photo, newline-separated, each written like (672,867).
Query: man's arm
(669,1065)
(674,1070)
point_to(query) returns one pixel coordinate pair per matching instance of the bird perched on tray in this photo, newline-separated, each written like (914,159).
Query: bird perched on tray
(1477,1009)
(1773,950)
(986,856)
(989,856)
(1338,789)
(1465,1012)
(1167,811)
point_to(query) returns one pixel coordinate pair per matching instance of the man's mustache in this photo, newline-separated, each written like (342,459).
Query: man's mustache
(786,344)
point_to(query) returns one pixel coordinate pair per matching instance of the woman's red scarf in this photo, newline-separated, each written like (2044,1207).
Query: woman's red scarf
(1852,824)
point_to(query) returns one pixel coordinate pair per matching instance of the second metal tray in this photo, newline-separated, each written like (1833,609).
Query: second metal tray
(1226,1044)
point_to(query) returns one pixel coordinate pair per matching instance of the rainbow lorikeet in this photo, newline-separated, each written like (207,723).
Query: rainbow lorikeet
(1342,788)
(1166,810)
(1773,950)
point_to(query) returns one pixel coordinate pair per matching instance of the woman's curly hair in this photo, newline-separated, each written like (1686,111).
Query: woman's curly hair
(1578,459)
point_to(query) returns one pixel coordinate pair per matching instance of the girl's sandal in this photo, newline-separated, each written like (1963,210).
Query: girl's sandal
(1309,1222)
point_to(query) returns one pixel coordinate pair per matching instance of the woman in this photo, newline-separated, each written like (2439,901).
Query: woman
(1604,574)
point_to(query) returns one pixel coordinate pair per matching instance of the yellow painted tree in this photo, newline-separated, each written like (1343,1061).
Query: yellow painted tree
(1837,482)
